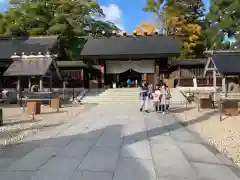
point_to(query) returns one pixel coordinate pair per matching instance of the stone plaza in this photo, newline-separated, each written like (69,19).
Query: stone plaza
(115,142)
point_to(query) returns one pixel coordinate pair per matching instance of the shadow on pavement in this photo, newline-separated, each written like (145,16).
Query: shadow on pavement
(94,154)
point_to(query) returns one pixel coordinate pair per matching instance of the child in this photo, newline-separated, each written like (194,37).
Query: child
(156,96)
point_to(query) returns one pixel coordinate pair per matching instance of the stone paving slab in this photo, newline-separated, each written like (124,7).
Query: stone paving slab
(132,168)
(90,175)
(110,140)
(198,153)
(161,140)
(18,150)
(100,159)
(50,176)
(60,165)
(13,175)
(114,142)
(139,149)
(33,160)
(169,161)
(77,149)
(214,172)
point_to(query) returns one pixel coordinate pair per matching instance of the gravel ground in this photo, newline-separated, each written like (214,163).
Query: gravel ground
(18,125)
(225,135)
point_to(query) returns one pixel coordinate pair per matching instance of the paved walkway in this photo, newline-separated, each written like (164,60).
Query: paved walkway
(114,142)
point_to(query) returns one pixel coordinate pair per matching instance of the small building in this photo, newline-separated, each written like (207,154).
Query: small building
(225,66)
(184,70)
(29,48)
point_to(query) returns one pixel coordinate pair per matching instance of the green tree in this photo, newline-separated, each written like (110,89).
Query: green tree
(53,17)
(223,21)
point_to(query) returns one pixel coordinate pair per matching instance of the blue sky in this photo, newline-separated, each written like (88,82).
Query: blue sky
(125,13)
(129,12)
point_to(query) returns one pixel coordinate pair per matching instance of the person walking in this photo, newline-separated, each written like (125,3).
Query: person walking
(168,97)
(156,101)
(144,93)
(165,98)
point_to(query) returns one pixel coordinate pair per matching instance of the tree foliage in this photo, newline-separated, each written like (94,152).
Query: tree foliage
(69,18)
(145,27)
(222,21)
(182,18)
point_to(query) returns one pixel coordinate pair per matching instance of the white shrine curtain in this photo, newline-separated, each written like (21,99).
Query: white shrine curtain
(142,66)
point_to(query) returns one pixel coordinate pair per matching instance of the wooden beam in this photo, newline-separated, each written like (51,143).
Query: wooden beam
(211,52)
(205,69)
(211,69)
(223,84)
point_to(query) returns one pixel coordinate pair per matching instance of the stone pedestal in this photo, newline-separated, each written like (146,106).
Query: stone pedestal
(33,107)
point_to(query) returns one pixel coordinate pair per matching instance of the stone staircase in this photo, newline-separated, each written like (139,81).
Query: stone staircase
(118,95)
(177,97)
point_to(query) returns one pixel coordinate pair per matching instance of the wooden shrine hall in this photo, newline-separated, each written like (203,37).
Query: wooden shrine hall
(135,57)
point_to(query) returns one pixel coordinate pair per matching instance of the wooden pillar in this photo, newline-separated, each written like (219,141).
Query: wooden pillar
(41,83)
(103,69)
(179,78)
(29,83)
(214,84)
(117,78)
(18,84)
(50,81)
(223,84)
(19,91)
(145,76)
(214,81)
(156,81)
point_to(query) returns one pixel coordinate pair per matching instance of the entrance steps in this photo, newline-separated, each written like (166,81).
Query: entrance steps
(124,95)
(117,95)
(177,97)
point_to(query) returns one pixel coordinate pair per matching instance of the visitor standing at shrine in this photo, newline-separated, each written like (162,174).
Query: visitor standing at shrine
(144,93)
(129,83)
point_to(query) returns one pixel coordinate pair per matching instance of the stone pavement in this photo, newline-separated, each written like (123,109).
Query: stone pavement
(115,142)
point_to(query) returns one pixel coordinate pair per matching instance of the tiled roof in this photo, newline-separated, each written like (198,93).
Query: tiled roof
(140,45)
(29,67)
(189,62)
(227,63)
(10,46)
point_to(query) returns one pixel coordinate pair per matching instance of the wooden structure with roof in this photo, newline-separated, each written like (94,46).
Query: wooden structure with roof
(33,65)
(136,57)
(226,64)
(51,52)
(184,70)
(223,64)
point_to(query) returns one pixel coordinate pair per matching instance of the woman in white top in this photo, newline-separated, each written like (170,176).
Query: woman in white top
(165,98)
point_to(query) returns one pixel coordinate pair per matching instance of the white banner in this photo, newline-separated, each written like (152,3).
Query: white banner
(142,66)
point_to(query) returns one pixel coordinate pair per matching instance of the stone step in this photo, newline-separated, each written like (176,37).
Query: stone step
(110,99)
(99,102)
